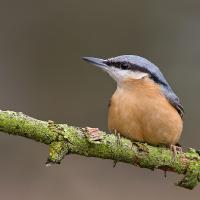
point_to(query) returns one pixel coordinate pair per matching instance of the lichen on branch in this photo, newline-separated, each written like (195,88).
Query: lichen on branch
(63,139)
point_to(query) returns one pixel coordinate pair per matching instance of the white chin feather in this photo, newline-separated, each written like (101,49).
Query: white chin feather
(120,75)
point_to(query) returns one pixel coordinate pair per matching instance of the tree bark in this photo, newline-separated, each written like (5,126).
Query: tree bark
(63,139)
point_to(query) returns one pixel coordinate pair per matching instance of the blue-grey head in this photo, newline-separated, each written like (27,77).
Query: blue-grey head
(136,67)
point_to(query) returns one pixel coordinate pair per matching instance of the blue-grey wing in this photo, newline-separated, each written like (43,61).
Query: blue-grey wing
(175,102)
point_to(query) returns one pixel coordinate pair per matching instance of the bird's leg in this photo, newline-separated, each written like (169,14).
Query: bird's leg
(176,149)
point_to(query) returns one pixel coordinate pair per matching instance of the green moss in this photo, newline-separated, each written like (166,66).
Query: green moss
(191,178)
(20,124)
(192,154)
(63,139)
(57,151)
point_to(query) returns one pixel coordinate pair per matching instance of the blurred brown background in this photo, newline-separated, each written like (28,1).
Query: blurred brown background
(42,75)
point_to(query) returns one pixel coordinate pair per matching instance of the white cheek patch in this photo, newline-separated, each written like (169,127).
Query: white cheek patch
(120,74)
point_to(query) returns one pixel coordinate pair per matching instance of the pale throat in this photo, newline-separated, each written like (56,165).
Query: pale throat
(122,77)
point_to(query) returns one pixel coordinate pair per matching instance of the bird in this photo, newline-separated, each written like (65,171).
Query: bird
(144,107)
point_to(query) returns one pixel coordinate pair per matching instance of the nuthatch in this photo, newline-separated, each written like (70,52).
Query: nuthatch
(144,107)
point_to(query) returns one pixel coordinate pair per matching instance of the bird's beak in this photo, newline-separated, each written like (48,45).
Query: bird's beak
(96,61)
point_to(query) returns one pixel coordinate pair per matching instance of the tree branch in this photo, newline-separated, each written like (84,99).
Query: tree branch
(63,139)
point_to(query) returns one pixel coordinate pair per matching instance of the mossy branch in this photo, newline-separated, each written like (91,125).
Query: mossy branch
(63,139)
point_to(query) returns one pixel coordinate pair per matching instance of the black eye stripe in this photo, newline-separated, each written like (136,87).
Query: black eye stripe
(119,65)
(126,66)
(134,67)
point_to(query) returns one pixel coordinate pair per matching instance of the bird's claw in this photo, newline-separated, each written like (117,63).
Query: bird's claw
(176,149)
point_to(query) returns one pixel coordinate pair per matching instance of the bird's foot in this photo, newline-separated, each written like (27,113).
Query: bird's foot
(176,149)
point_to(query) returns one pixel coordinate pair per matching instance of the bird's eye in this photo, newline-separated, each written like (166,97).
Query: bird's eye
(119,65)
(123,66)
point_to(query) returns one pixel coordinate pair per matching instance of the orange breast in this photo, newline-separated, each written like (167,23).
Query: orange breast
(139,111)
